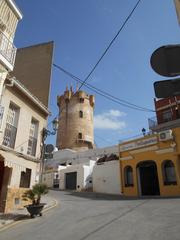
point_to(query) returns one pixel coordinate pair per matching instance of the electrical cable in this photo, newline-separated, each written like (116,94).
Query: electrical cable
(102,56)
(104,93)
(110,44)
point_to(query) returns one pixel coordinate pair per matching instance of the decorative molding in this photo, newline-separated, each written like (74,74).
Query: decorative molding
(165,150)
(138,144)
(126,158)
(153,148)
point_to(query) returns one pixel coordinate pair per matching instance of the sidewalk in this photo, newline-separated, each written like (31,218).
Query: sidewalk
(20,214)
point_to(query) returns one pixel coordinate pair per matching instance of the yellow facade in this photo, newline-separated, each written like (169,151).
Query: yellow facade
(151,165)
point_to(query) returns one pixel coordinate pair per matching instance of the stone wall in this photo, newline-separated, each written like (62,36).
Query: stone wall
(76,117)
(14,199)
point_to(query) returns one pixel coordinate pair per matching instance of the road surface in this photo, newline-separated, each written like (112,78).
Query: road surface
(81,216)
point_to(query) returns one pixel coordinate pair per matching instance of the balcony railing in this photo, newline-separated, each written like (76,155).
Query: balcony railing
(7,49)
(10,135)
(152,122)
(32,143)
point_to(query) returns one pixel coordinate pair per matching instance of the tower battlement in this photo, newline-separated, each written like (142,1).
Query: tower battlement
(79,96)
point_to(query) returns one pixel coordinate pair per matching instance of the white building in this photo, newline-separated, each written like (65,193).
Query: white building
(79,170)
(76,177)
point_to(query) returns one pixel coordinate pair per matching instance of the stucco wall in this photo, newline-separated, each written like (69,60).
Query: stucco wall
(27,112)
(17,164)
(80,176)
(84,174)
(106,177)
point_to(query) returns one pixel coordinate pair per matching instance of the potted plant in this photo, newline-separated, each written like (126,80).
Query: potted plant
(34,195)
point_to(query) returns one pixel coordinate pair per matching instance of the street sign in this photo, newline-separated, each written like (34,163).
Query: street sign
(166,60)
(167,88)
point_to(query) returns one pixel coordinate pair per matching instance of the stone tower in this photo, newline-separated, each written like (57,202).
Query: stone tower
(76,129)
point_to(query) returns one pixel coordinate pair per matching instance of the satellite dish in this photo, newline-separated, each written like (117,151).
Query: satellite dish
(49,148)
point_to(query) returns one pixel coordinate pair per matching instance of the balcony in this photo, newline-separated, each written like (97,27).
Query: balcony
(9,135)
(163,125)
(152,122)
(7,52)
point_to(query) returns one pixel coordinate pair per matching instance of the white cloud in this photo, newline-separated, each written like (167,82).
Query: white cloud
(110,120)
(116,113)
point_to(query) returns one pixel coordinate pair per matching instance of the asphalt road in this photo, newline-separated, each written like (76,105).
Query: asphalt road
(85,216)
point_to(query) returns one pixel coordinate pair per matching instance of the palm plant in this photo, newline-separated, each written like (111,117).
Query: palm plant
(34,194)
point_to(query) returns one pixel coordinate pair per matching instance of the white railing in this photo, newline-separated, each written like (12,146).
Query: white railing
(7,49)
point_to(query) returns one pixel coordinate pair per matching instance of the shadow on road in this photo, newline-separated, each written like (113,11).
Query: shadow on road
(111,197)
(13,216)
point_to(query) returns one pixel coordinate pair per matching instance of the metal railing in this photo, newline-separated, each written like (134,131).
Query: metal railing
(32,143)
(9,135)
(152,122)
(7,49)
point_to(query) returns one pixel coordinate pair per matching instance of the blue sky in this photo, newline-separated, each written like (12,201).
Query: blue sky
(81,31)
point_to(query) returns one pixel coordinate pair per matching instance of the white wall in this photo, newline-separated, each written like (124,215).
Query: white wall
(70,156)
(106,177)
(84,175)
(80,176)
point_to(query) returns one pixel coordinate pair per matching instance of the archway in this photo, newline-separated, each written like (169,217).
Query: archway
(148,178)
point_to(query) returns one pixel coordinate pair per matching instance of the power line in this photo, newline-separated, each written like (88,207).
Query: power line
(103,139)
(102,56)
(108,47)
(110,44)
(104,93)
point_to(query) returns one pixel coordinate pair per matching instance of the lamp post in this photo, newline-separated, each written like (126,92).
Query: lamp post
(44,134)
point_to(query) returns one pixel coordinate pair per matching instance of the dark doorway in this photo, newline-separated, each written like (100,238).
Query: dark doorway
(71,180)
(1,174)
(148,178)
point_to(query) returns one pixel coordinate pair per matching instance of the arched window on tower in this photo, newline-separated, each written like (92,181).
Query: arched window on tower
(81,100)
(128,176)
(169,174)
(81,114)
(79,135)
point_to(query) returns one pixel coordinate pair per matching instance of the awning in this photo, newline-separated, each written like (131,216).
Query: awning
(10,164)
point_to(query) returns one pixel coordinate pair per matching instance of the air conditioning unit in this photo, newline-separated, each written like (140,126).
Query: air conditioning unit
(165,135)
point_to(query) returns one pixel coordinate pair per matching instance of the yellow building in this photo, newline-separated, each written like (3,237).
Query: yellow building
(150,165)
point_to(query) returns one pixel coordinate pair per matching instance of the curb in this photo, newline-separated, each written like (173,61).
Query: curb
(15,222)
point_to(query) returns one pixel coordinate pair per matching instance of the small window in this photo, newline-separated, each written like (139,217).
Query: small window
(17,201)
(81,114)
(25,179)
(167,116)
(169,174)
(80,135)
(128,175)
(81,100)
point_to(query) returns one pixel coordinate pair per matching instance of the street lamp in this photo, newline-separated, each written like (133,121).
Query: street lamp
(45,133)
